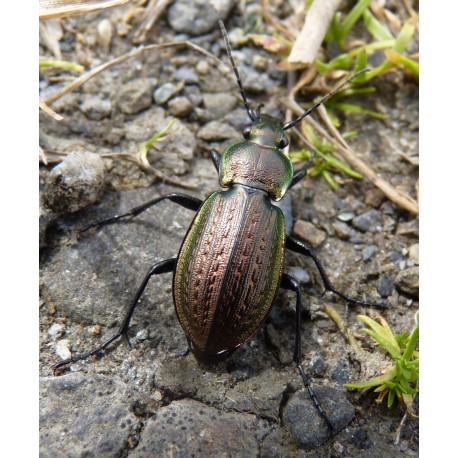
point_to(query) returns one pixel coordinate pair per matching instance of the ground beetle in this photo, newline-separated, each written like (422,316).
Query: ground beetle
(230,264)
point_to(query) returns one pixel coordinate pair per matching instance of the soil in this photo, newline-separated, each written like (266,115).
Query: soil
(153,398)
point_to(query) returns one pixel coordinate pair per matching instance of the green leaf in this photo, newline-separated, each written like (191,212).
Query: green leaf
(351,19)
(374,27)
(351,108)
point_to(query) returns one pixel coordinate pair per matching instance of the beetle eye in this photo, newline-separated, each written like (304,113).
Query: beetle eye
(284,142)
(246,132)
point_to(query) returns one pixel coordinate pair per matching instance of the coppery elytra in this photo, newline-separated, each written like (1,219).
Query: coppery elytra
(230,264)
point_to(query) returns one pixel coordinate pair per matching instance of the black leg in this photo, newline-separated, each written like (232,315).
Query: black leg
(189,202)
(159,268)
(216,157)
(288,282)
(297,177)
(300,247)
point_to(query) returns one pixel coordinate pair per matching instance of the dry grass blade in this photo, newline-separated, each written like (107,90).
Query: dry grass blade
(275,23)
(49,111)
(334,315)
(132,53)
(398,197)
(150,15)
(312,34)
(50,9)
(395,195)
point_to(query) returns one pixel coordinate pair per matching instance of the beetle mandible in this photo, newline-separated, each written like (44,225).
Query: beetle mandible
(230,264)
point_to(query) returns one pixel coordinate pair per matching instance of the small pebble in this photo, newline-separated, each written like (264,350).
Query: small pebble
(341,229)
(166,92)
(186,74)
(369,252)
(385,286)
(346,216)
(215,130)
(105,34)
(300,274)
(318,366)
(56,331)
(135,96)
(180,107)
(75,183)
(309,233)
(374,197)
(395,256)
(63,349)
(414,253)
(368,221)
(407,281)
(219,104)
(96,109)
(197,17)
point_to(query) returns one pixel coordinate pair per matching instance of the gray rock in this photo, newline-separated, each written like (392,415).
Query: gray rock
(407,281)
(93,420)
(186,74)
(189,428)
(215,130)
(219,104)
(166,92)
(196,17)
(78,181)
(305,423)
(96,109)
(341,229)
(385,286)
(135,96)
(368,221)
(369,252)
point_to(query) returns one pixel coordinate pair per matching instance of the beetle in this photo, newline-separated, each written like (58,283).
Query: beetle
(230,264)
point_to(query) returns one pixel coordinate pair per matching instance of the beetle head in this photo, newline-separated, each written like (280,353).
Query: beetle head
(266,130)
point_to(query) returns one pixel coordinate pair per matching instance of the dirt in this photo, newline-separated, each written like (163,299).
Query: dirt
(154,399)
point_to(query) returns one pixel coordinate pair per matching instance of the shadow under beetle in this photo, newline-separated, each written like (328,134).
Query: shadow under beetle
(230,264)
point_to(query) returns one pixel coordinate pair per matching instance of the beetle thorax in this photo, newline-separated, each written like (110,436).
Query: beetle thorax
(258,162)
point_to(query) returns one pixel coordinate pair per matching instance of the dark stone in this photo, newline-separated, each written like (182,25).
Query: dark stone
(385,286)
(305,423)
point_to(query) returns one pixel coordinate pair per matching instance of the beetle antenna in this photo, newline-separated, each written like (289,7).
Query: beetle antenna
(250,111)
(324,99)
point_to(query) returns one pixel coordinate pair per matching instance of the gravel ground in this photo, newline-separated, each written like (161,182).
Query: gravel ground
(154,399)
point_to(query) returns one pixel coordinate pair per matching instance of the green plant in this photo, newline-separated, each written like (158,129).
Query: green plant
(400,381)
(324,162)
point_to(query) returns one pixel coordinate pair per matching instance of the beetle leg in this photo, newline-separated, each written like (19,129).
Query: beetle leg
(297,177)
(189,202)
(216,157)
(288,282)
(159,268)
(300,247)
